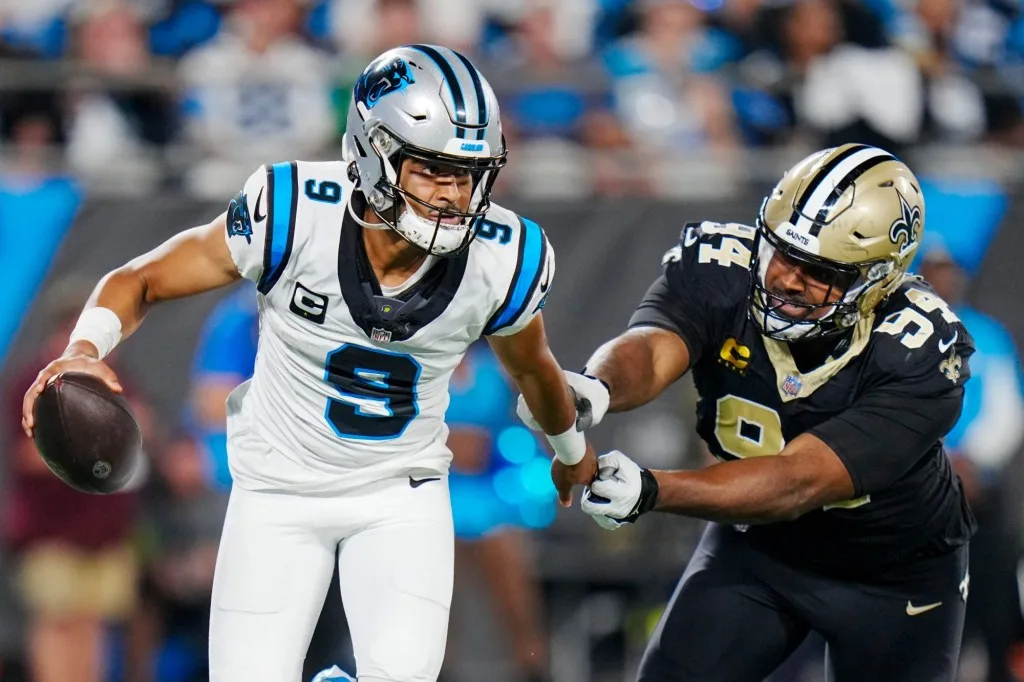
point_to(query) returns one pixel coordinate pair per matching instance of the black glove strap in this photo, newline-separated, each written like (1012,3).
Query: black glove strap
(648,496)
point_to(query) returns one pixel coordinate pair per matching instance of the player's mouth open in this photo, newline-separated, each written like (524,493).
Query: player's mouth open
(447,219)
(787,307)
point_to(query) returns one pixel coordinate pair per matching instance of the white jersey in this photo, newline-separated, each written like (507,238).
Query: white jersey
(351,386)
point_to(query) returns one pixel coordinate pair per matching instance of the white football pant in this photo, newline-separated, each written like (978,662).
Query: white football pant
(274,566)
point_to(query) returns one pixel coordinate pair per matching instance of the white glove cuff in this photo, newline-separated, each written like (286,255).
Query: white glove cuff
(99,326)
(570,447)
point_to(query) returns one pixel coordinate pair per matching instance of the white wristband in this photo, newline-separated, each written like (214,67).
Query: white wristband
(570,447)
(99,326)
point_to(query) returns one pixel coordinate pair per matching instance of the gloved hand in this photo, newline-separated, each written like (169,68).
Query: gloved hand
(621,492)
(591,397)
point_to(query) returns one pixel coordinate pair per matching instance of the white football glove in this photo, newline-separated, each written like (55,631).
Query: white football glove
(621,492)
(592,400)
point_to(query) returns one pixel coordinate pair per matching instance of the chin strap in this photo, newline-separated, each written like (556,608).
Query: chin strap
(359,219)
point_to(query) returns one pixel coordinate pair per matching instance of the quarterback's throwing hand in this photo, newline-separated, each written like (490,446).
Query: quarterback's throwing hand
(621,492)
(592,400)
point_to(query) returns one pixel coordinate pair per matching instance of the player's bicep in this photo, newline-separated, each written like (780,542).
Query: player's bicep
(664,307)
(191,262)
(887,431)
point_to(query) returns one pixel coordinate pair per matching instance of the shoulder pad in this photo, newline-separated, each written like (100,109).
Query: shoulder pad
(325,182)
(520,262)
(712,256)
(917,334)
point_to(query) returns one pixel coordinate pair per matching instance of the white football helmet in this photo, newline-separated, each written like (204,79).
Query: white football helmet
(427,103)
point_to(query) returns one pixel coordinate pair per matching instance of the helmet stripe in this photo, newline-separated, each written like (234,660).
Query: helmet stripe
(823,173)
(850,178)
(454,89)
(835,177)
(481,101)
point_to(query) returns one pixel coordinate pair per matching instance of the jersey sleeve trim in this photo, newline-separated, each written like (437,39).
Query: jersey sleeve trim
(533,249)
(283,191)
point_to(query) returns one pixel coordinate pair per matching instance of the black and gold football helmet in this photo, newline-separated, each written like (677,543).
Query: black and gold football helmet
(851,217)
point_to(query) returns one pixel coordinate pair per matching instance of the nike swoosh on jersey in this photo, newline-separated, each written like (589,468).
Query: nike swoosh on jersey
(259,198)
(416,483)
(918,610)
(944,346)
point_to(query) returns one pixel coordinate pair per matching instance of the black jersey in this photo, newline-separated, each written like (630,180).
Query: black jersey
(883,400)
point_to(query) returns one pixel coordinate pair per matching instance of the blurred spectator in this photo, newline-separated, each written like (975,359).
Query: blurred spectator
(113,127)
(37,205)
(255,94)
(77,566)
(224,358)
(365,28)
(499,484)
(953,40)
(987,436)
(663,94)
(39,26)
(848,87)
(182,25)
(552,103)
(183,520)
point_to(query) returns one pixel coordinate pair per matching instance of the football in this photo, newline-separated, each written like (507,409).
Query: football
(86,433)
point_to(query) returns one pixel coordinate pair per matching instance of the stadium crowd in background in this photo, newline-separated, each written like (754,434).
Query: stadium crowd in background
(210,88)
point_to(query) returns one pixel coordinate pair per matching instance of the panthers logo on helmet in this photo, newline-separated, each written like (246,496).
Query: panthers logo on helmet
(239,224)
(906,229)
(391,75)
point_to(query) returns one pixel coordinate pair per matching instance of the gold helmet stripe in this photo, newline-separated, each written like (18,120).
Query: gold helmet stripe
(834,178)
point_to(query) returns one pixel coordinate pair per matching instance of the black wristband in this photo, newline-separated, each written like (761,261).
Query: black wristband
(648,496)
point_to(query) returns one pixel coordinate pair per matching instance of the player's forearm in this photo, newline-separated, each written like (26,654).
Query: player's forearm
(757,490)
(547,395)
(122,291)
(191,262)
(638,365)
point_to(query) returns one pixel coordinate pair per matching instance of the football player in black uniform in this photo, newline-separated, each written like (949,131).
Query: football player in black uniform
(827,378)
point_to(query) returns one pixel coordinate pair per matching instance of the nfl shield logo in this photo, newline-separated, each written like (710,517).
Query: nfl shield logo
(381,335)
(792,385)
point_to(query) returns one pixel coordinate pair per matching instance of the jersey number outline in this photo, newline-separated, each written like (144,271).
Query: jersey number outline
(378,389)
(745,429)
(488,229)
(326,191)
(731,250)
(896,323)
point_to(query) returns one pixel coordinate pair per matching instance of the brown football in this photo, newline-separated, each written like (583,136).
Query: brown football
(87,434)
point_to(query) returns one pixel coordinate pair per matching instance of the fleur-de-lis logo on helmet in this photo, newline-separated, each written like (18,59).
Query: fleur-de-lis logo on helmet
(906,230)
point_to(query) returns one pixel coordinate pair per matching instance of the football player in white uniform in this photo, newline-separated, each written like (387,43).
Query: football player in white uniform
(374,275)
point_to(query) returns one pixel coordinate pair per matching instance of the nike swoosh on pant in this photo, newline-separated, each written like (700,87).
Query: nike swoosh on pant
(918,610)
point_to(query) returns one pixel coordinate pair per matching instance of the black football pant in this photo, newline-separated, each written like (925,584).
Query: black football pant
(737,614)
